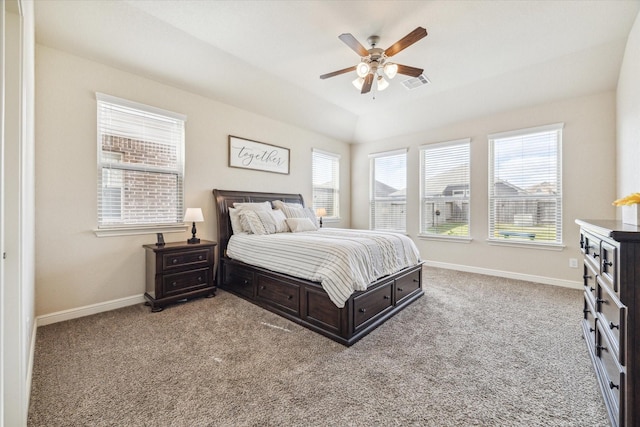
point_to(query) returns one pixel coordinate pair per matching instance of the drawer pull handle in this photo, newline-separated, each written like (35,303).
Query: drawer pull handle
(601,301)
(416,281)
(290,297)
(400,290)
(386,297)
(362,310)
(607,263)
(587,276)
(263,287)
(199,278)
(200,258)
(595,255)
(591,288)
(173,284)
(601,347)
(591,330)
(246,282)
(585,310)
(174,261)
(612,326)
(612,385)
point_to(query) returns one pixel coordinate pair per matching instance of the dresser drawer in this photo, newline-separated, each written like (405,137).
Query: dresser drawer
(186,259)
(179,282)
(613,316)
(589,281)
(283,295)
(589,316)
(406,285)
(591,248)
(612,376)
(237,279)
(372,303)
(608,266)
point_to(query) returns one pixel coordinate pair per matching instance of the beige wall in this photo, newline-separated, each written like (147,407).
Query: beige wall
(628,115)
(74,268)
(588,186)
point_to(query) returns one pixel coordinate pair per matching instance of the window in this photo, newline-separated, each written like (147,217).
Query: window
(140,164)
(388,196)
(326,183)
(525,188)
(445,189)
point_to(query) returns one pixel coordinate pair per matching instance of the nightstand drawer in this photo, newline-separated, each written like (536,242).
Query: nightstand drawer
(179,282)
(372,304)
(189,259)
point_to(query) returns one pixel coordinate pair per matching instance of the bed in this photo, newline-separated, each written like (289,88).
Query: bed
(305,301)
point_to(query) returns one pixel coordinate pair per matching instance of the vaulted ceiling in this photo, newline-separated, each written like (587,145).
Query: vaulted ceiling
(481,57)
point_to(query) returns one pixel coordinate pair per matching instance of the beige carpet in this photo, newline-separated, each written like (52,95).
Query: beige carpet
(475,351)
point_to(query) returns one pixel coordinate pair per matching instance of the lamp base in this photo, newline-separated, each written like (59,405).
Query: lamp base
(193,240)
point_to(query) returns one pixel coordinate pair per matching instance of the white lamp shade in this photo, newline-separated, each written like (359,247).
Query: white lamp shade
(382,84)
(390,69)
(193,215)
(321,212)
(358,83)
(362,69)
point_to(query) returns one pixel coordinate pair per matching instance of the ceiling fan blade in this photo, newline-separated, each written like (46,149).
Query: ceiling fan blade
(415,35)
(337,73)
(409,71)
(366,86)
(354,44)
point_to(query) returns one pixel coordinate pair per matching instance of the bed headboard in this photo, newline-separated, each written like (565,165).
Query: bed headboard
(224,199)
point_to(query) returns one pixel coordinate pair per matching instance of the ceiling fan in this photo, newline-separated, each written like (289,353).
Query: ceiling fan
(375,61)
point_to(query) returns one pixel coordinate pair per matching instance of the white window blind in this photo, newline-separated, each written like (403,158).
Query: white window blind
(326,182)
(445,188)
(388,197)
(525,185)
(140,164)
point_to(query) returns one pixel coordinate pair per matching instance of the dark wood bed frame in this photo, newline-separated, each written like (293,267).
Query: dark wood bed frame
(303,301)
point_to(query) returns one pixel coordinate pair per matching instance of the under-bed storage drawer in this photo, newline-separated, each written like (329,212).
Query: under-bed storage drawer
(284,295)
(238,279)
(374,302)
(406,285)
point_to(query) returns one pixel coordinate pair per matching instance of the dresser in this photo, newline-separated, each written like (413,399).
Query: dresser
(177,271)
(611,314)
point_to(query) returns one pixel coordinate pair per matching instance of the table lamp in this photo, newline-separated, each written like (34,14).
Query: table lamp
(193,215)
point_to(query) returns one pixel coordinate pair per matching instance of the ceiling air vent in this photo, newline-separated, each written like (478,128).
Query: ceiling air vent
(416,82)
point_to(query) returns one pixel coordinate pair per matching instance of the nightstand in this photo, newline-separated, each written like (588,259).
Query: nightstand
(178,271)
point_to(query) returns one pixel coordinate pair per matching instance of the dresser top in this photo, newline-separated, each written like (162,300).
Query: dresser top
(612,228)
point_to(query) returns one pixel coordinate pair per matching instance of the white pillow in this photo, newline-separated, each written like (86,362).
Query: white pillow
(301,213)
(280,221)
(278,204)
(301,224)
(263,206)
(234,216)
(251,222)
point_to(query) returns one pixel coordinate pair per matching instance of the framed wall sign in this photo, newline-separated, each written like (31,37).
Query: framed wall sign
(247,154)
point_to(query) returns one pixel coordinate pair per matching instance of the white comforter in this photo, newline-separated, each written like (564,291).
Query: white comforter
(342,260)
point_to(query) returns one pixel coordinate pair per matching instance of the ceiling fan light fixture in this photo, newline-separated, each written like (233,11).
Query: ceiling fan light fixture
(358,83)
(382,84)
(363,69)
(390,69)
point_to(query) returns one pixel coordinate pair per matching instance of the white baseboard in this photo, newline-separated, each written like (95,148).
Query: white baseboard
(32,352)
(88,310)
(507,274)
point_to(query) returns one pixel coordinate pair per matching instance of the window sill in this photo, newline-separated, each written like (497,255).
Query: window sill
(454,239)
(527,245)
(142,229)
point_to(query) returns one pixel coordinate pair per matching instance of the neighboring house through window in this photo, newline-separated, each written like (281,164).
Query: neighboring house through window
(445,189)
(140,164)
(388,192)
(525,185)
(326,183)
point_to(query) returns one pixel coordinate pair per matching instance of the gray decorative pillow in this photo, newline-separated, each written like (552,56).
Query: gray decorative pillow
(251,222)
(301,224)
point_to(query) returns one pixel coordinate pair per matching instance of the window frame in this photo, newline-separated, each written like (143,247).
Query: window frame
(372,187)
(466,195)
(103,160)
(558,198)
(335,159)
